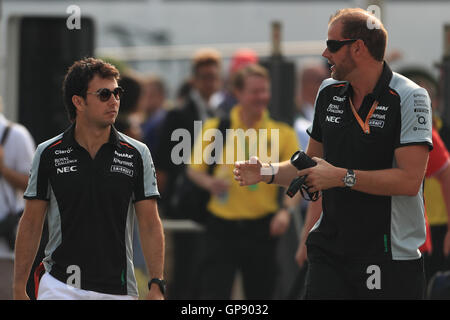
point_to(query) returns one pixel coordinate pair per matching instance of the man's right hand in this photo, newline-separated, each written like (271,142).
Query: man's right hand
(249,172)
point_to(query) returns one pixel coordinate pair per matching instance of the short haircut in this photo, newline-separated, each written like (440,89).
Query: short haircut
(248,71)
(77,79)
(206,56)
(355,25)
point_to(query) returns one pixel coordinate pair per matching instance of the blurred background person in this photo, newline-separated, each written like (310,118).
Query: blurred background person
(243,224)
(240,58)
(437,182)
(205,81)
(153,105)
(310,76)
(16,154)
(437,252)
(129,119)
(183,91)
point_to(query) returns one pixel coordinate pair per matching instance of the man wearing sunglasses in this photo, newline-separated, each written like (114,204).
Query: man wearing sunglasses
(90,181)
(370,137)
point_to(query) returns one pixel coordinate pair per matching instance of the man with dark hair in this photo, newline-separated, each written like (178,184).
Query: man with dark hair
(78,77)
(370,137)
(90,181)
(205,81)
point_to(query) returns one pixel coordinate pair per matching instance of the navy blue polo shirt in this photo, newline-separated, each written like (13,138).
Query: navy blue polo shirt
(91,207)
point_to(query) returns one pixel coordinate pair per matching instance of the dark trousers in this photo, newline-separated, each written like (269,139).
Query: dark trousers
(187,255)
(436,261)
(243,245)
(330,277)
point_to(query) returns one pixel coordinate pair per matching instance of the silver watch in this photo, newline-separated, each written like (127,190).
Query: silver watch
(349,179)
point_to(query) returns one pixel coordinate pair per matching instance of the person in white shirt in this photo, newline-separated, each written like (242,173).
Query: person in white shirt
(16,155)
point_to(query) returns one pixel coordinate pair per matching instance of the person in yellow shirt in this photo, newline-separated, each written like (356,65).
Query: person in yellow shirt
(244,223)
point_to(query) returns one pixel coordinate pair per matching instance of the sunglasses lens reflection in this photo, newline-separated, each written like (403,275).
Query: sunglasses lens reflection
(104,94)
(334,45)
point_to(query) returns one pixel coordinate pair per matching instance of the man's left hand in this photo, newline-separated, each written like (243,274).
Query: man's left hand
(322,176)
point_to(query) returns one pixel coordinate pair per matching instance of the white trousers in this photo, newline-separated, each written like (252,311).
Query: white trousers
(53,289)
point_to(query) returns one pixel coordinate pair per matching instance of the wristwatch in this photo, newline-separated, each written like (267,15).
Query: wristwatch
(160,282)
(349,179)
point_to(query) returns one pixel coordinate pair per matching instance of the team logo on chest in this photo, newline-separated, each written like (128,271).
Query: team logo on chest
(123,163)
(378,118)
(66,169)
(333,119)
(335,110)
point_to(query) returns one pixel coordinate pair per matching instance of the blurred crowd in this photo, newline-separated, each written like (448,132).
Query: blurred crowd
(150,114)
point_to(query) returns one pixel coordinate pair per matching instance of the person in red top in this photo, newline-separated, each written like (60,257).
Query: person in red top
(439,156)
(438,167)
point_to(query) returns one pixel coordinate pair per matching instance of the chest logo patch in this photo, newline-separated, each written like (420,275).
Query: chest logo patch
(376,123)
(333,119)
(66,169)
(120,169)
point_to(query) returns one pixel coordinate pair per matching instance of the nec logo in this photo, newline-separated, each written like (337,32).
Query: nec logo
(333,119)
(66,169)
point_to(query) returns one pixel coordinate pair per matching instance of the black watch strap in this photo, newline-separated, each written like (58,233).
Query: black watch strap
(160,282)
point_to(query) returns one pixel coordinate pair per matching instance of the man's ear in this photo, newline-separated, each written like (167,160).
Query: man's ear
(359,48)
(78,102)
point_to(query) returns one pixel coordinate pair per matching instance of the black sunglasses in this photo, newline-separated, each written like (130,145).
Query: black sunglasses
(104,93)
(334,45)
